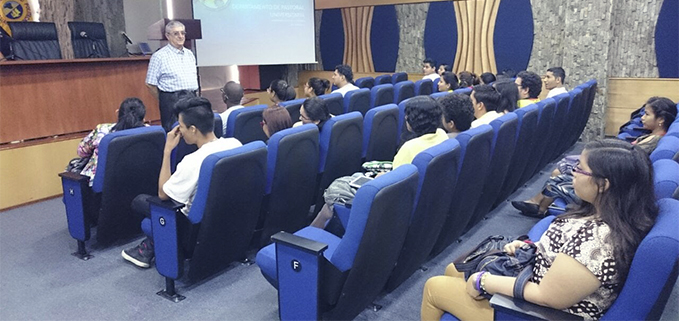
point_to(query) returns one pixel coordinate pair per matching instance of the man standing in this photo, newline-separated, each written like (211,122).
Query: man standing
(554,79)
(530,86)
(429,69)
(171,69)
(343,78)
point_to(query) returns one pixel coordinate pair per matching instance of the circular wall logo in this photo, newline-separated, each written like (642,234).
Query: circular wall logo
(14,10)
(214,4)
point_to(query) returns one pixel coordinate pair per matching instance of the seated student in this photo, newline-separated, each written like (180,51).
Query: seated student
(585,255)
(485,100)
(468,79)
(130,115)
(443,68)
(458,113)
(659,113)
(196,124)
(554,79)
(343,78)
(509,95)
(279,91)
(316,87)
(448,82)
(487,78)
(275,119)
(232,94)
(429,69)
(530,86)
(313,111)
(423,118)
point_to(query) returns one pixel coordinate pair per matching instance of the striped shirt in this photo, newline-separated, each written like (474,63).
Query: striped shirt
(171,69)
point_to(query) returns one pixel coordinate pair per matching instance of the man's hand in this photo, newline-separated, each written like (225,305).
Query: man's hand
(172,140)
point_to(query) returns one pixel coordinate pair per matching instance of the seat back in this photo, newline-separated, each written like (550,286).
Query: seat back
(293,107)
(128,165)
(525,137)
(667,147)
(88,39)
(424,87)
(440,94)
(335,103)
(644,297)
(227,205)
(373,239)
(541,138)
(383,79)
(471,174)
(380,125)
(665,178)
(34,40)
(381,95)
(571,131)
(467,91)
(403,90)
(290,185)
(365,82)
(357,100)
(244,124)
(398,77)
(435,85)
(401,120)
(559,124)
(184,149)
(437,168)
(501,151)
(340,148)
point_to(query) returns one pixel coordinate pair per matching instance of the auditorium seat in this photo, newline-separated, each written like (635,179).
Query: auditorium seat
(380,125)
(541,138)
(501,151)
(293,107)
(403,90)
(357,100)
(424,87)
(381,95)
(642,297)
(321,276)
(467,91)
(665,178)
(220,223)
(558,128)
(435,85)
(365,82)
(570,135)
(290,185)
(245,124)
(438,95)
(472,170)
(34,40)
(128,165)
(383,79)
(667,147)
(88,39)
(398,77)
(335,103)
(437,168)
(401,120)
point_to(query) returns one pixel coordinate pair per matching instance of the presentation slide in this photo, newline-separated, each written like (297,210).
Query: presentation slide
(255,32)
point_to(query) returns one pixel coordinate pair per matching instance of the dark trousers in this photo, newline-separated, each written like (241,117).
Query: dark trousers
(166,102)
(186,231)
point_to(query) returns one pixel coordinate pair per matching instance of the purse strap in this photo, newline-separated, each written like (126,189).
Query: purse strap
(521,281)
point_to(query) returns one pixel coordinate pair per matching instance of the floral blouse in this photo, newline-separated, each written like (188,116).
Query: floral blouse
(585,240)
(89,147)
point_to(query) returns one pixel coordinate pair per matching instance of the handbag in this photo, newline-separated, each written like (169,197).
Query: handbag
(77,164)
(489,256)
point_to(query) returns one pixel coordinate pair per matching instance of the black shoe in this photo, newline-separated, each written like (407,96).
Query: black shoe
(141,255)
(529,209)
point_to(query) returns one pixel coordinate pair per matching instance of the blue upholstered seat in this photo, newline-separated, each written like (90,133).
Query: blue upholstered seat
(365,82)
(541,140)
(293,107)
(244,124)
(424,87)
(403,90)
(335,103)
(357,100)
(398,77)
(667,147)
(380,125)
(665,178)
(383,79)
(381,95)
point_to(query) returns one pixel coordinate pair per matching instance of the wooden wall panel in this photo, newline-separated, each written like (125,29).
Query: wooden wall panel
(476,26)
(334,4)
(357,48)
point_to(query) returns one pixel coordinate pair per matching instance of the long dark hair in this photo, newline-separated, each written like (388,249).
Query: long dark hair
(510,95)
(318,85)
(130,114)
(282,90)
(628,205)
(664,108)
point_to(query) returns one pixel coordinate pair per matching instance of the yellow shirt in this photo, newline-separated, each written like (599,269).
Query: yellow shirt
(411,148)
(526,102)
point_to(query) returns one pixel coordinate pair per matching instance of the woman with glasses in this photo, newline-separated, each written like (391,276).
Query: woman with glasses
(316,87)
(584,256)
(313,111)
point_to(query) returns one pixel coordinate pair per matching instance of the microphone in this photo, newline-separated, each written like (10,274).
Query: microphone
(127,39)
(83,34)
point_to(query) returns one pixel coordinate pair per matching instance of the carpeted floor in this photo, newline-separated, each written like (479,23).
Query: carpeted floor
(40,280)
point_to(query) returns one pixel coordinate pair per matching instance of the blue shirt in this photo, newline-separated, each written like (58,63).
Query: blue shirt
(172,69)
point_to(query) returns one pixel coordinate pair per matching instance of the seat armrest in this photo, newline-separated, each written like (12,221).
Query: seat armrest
(300,243)
(169,257)
(167,204)
(508,308)
(299,264)
(73,176)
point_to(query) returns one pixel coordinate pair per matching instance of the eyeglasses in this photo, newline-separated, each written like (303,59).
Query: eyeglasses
(178,33)
(302,117)
(579,170)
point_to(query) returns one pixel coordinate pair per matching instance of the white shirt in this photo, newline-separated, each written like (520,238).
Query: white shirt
(347,88)
(225,116)
(183,184)
(557,91)
(432,76)
(172,69)
(486,119)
